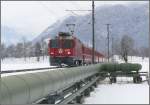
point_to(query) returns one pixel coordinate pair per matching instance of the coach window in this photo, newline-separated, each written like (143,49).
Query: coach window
(54,44)
(67,44)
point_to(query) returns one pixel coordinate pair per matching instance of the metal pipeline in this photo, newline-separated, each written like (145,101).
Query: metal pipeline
(30,87)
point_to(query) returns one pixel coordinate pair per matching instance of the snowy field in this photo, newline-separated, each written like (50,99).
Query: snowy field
(21,63)
(122,93)
(105,93)
(119,94)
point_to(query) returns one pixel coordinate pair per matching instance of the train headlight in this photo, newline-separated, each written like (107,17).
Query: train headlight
(69,52)
(52,53)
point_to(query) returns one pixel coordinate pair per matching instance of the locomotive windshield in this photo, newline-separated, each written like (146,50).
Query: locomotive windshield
(54,43)
(67,44)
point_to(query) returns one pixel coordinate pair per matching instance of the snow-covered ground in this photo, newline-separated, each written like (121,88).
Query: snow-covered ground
(119,94)
(122,93)
(21,63)
(105,93)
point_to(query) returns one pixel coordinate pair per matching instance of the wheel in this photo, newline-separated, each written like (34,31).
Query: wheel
(80,99)
(87,92)
(92,88)
(115,80)
(95,84)
(110,80)
(134,80)
(139,79)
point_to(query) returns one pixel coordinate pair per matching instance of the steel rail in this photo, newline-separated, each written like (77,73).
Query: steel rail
(32,69)
(25,70)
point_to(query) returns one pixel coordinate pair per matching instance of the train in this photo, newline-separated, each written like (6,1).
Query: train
(69,50)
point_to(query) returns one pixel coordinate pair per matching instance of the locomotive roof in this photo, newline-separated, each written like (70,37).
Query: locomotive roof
(64,34)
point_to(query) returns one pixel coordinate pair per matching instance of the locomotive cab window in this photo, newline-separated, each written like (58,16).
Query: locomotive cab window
(54,44)
(67,44)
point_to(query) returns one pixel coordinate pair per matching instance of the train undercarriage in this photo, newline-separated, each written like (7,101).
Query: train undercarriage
(68,61)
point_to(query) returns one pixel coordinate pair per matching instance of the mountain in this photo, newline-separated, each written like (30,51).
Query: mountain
(132,20)
(10,35)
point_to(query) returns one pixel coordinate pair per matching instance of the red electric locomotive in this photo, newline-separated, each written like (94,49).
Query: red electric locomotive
(67,49)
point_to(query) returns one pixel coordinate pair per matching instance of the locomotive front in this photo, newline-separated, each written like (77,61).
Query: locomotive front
(61,49)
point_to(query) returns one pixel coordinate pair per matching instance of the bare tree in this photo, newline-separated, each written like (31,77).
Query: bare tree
(37,50)
(19,49)
(127,46)
(3,51)
(43,43)
(24,47)
(117,47)
(30,49)
(10,51)
(144,52)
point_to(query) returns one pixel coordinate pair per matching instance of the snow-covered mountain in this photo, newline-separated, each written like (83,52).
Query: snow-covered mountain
(10,35)
(132,19)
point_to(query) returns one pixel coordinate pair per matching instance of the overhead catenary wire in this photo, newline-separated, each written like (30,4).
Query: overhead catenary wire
(52,13)
(49,10)
(85,21)
(75,4)
(78,9)
(72,11)
(55,15)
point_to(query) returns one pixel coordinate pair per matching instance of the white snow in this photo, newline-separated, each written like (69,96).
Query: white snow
(105,93)
(119,94)
(21,63)
(122,93)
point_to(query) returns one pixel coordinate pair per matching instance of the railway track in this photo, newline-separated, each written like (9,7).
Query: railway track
(32,69)
(26,70)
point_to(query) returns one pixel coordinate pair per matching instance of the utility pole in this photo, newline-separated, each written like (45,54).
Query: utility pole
(112,48)
(108,41)
(93,32)
(93,29)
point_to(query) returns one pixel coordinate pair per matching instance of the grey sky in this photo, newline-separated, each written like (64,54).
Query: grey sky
(34,16)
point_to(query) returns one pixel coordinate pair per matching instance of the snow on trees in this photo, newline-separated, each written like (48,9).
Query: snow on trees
(127,46)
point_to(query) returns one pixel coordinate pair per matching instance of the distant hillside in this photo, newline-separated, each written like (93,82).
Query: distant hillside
(10,35)
(124,19)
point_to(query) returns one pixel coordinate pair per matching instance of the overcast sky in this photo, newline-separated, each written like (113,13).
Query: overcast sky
(34,16)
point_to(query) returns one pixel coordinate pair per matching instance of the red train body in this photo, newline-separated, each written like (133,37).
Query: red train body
(67,49)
